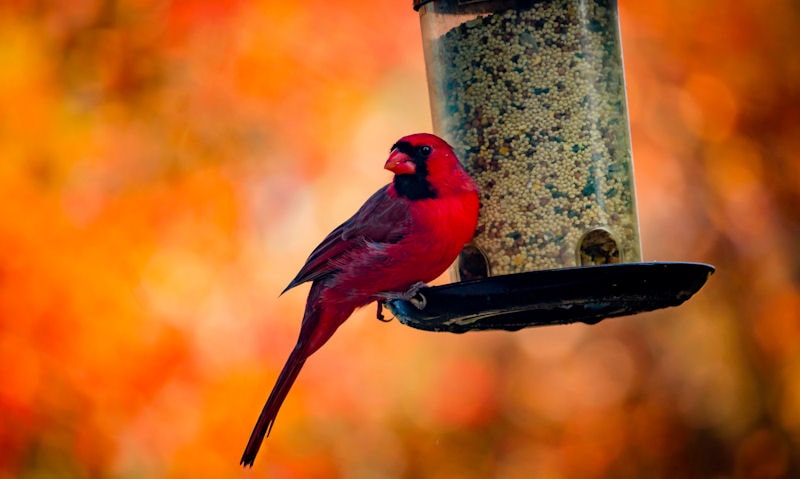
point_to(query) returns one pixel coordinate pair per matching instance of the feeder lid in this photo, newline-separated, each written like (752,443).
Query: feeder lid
(419,3)
(472,5)
(586,294)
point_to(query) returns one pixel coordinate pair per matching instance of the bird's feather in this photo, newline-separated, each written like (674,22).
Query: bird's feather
(381,220)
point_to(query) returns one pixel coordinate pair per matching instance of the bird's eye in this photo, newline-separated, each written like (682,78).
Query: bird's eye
(426,150)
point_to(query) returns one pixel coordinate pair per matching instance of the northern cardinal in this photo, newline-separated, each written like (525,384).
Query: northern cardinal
(406,234)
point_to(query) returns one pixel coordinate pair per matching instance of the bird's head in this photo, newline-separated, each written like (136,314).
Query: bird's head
(425,167)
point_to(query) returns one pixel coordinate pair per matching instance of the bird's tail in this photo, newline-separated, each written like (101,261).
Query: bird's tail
(318,325)
(267,417)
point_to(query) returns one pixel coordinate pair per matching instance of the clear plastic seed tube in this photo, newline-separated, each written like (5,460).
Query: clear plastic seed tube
(531,94)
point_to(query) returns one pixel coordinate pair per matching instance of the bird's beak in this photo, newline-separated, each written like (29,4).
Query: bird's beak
(400,163)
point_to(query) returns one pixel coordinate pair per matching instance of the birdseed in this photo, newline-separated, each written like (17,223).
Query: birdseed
(533,101)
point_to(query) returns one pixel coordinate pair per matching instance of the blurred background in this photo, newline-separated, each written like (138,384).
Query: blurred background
(166,167)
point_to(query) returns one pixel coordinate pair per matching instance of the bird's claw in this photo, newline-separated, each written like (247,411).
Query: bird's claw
(414,290)
(418,300)
(380,315)
(412,295)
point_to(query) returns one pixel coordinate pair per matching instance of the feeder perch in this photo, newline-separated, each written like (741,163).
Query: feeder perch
(531,95)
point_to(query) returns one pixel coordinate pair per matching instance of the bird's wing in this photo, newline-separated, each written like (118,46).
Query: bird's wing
(384,218)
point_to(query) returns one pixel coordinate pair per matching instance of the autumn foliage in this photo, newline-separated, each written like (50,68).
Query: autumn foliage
(165,168)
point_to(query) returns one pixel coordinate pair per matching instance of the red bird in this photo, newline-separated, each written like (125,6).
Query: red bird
(406,234)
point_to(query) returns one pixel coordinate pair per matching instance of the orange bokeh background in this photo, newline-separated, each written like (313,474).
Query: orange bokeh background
(165,168)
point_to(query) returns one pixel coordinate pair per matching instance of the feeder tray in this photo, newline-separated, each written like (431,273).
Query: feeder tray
(586,294)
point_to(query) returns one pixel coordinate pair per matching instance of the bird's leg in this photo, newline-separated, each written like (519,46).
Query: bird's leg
(412,295)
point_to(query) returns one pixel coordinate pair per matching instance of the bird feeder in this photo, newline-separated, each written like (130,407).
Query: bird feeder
(531,95)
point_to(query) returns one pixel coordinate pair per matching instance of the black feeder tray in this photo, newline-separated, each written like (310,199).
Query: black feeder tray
(586,294)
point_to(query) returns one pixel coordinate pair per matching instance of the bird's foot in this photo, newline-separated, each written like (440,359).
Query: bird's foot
(412,295)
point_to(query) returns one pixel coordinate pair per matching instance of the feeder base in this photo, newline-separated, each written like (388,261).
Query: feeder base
(585,294)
